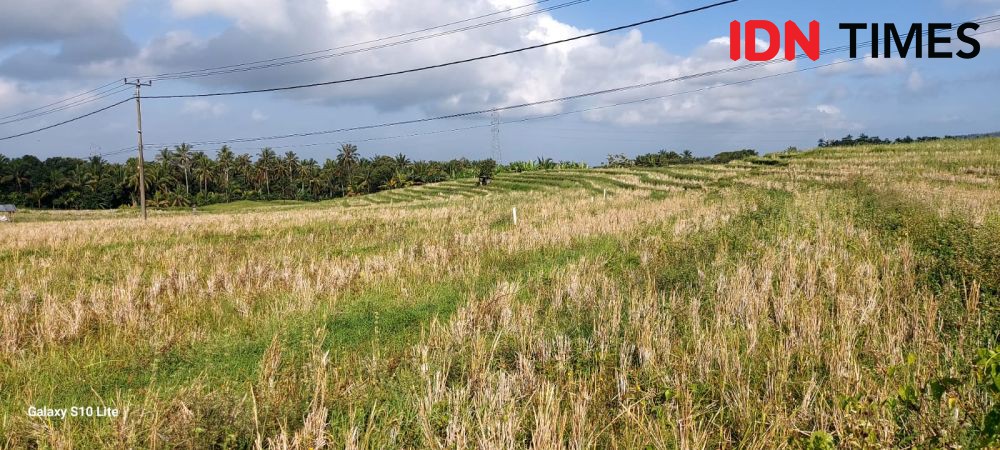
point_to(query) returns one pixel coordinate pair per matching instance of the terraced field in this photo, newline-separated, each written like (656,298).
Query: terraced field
(842,297)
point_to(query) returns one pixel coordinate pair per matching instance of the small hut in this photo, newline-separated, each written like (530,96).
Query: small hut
(7,213)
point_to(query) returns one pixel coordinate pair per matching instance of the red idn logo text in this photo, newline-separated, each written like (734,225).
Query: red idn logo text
(794,37)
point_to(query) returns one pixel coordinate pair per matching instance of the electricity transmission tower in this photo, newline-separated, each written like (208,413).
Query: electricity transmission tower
(495,122)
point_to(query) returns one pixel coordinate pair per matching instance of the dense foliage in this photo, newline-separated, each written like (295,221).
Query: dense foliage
(863,139)
(183,177)
(665,158)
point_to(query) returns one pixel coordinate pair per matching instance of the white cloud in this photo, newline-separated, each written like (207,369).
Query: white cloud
(204,108)
(989,40)
(270,14)
(261,32)
(916,82)
(592,64)
(828,110)
(865,66)
(882,66)
(10,96)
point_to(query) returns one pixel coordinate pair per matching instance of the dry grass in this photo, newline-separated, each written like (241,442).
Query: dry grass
(695,307)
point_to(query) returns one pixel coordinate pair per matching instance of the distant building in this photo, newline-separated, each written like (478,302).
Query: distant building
(7,213)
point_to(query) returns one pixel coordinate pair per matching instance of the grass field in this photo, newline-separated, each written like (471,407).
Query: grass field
(836,298)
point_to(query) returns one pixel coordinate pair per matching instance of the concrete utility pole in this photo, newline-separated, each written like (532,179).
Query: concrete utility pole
(142,161)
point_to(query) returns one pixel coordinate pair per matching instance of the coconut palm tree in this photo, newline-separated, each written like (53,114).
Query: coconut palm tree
(347,159)
(265,166)
(330,172)
(243,166)
(309,172)
(204,170)
(165,160)
(291,166)
(39,193)
(19,174)
(185,160)
(96,165)
(224,162)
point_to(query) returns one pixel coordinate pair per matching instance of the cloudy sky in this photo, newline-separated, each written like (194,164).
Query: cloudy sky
(54,49)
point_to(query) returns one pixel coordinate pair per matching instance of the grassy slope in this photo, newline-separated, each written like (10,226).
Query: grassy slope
(840,294)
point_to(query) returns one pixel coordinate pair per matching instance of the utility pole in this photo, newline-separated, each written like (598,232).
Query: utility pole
(142,161)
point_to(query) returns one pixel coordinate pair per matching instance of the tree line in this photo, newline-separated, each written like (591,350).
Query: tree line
(184,177)
(665,158)
(863,139)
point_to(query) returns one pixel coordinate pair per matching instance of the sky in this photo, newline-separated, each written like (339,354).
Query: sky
(46,57)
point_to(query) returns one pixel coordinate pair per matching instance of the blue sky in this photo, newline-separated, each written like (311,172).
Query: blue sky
(96,41)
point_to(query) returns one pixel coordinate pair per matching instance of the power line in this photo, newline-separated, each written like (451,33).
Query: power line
(990,19)
(67,121)
(287,60)
(541,117)
(100,91)
(101,95)
(99,88)
(567,98)
(452,63)
(490,110)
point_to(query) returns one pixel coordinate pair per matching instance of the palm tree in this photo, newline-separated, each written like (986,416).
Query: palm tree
(265,164)
(165,156)
(402,162)
(329,172)
(224,161)
(5,177)
(292,166)
(347,159)
(165,159)
(38,194)
(19,173)
(310,172)
(185,160)
(244,168)
(204,170)
(96,166)
(161,177)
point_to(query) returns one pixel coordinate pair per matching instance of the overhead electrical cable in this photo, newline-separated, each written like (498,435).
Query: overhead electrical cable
(657,19)
(567,98)
(101,90)
(66,121)
(319,55)
(60,102)
(451,63)
(990,19)
(81,102)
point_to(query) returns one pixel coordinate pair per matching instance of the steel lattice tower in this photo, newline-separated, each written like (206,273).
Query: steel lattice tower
(495,122)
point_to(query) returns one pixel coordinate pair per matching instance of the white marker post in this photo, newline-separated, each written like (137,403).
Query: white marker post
(515,216)
(605,193)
